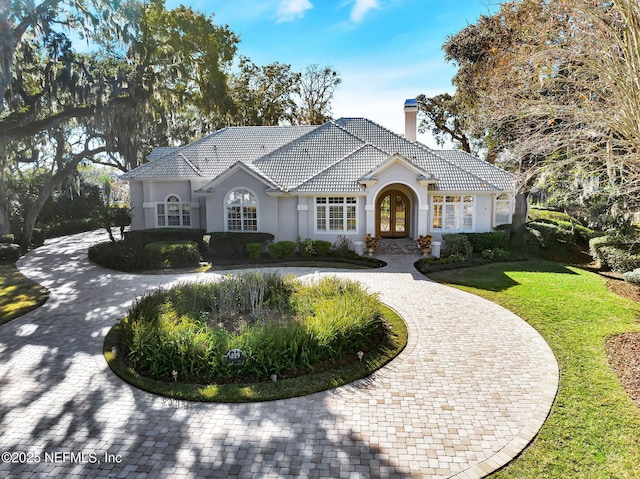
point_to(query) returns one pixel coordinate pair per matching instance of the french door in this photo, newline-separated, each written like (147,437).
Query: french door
(393,214)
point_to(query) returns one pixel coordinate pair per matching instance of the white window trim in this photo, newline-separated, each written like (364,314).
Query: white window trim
(180,204)
(344,230)
(461,203)
(495,208)
(225,211)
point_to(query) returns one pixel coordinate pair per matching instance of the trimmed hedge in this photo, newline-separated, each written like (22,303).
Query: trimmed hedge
(282,249)
(538,213)
(231,244)
(124,256)
(595,244)
(144,237)
(254,250)
(176,254)
(131,255)
(549,233)
(488,241)
(620,258)
(551,230)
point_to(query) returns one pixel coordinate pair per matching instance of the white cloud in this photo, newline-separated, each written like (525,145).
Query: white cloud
(290,10)
(361,8)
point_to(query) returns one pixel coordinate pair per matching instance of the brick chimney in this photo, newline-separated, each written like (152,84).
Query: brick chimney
(410,119)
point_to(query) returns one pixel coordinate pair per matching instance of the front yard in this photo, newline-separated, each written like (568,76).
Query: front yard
(593,430)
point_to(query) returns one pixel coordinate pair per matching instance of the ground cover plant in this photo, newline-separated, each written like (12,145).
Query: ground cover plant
(592,430)
(18,294)
(284,329)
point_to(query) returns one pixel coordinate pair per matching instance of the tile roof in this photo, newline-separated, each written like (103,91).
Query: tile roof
(160,151)
(326,158)
(216,152)
(480,168)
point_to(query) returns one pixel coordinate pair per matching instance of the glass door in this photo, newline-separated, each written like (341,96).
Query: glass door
(393,214)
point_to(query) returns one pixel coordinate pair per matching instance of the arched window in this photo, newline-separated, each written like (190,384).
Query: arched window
(502,210)
(173,212)
(242,210)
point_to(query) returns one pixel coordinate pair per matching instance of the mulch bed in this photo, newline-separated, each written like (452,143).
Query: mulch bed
(623,351)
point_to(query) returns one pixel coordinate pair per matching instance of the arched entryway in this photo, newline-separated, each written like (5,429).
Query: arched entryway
(393,214)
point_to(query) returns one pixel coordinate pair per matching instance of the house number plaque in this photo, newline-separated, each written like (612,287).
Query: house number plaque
(235,356)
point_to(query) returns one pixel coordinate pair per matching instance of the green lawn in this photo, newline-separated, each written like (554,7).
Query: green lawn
(593,430)
(18,295)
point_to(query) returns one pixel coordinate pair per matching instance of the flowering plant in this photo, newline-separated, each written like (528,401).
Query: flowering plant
(424,241)
(371,241)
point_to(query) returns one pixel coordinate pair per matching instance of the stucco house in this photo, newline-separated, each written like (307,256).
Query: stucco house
(347,177)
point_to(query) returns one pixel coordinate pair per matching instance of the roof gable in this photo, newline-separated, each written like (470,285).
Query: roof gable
(233,169)
(344,175)
(399,159)
(168,166)
(309,155)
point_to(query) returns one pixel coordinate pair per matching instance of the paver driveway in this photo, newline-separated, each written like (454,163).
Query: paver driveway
(471,389)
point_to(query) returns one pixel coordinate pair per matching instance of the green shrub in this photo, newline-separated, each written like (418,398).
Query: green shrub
(183,255)
(323,248)
(125,256)
(581,234)
(492,240)
(538,213)
(71,226)
(8,238)
(497,253)
(552,229)
(595,244)
(154,235)
(632,276)
(429,264)
(191,326)
(175,254)
(9,252)
(232,244)
(549,234)
(620,258)
(307,248)
(314,248)
(456,244)
(38,237)
(282,249)
(254,250)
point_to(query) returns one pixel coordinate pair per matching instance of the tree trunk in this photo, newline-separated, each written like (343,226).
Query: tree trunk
(47,190)
(5,225)
(520,213)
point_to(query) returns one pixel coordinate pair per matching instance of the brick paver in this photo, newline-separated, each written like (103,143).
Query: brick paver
(470,391)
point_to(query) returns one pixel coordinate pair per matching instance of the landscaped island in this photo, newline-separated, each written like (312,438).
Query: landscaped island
(230,339)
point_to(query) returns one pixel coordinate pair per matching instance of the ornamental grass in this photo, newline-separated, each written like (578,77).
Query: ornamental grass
(282,327)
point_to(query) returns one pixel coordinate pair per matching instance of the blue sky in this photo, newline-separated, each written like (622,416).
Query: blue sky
(384,50)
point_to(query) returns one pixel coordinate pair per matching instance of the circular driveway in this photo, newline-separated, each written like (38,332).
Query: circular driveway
(470,391)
